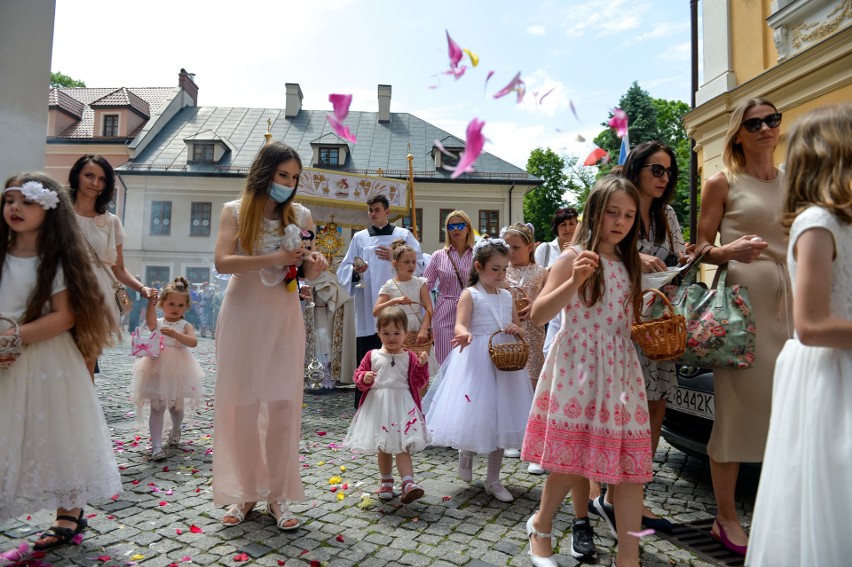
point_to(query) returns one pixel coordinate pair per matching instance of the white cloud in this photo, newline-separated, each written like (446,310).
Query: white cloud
(680,52)
(602,17)
(536,30)
(662,29)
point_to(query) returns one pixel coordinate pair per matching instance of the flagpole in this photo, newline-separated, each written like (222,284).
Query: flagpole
(411,192)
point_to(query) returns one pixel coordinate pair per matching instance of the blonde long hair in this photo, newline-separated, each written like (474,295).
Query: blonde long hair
(257,187)
(461,214)
(819,164)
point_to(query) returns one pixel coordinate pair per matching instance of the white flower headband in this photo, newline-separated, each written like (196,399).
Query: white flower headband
(36,192)
(483,242)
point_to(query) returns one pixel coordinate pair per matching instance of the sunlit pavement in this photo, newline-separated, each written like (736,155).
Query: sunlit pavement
(165,516)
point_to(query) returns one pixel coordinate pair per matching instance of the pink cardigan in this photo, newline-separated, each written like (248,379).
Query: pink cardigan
(418,376)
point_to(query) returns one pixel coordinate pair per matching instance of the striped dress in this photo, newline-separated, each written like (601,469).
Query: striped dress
(440,273)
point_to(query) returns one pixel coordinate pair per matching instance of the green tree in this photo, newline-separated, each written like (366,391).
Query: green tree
(642,123)
(673,134)
(542,202)
(58,80)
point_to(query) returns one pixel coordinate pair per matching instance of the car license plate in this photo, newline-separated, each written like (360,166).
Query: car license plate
(694,402)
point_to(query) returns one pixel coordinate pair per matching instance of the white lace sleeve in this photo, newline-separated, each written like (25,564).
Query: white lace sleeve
(677,232)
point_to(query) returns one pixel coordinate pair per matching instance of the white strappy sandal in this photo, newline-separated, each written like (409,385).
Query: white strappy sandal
(286,516)
(535,559)
(236,511)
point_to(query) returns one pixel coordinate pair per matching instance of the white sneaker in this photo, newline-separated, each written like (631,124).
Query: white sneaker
(512,453)
(535,468)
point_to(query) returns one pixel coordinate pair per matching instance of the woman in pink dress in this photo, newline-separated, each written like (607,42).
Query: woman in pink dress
(449,269)
(260,345)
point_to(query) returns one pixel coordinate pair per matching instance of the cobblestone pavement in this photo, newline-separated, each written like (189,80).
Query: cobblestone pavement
(165,516)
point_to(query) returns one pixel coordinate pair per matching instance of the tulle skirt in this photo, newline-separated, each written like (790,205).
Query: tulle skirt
(388,421)
(55,445)
(174,378)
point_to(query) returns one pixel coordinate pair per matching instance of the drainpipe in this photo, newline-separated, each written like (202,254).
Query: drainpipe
(693,157)
(123,210)
(512,188)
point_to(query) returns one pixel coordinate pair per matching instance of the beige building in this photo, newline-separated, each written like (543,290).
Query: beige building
(178,177)
(796,53)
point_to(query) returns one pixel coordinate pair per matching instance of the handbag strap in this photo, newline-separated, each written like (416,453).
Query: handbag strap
(456,268)
(115,283)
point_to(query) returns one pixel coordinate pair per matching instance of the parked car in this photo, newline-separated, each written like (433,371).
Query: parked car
(690,410)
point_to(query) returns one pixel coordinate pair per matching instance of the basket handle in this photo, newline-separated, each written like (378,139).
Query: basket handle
(666,302)
(14,322)
(497,332)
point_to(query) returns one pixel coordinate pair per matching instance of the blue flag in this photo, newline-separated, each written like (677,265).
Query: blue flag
(625,149)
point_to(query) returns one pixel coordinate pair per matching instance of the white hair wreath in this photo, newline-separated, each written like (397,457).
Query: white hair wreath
(36,192)
(483,242)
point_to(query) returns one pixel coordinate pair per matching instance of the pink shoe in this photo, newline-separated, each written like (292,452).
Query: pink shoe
(723,539)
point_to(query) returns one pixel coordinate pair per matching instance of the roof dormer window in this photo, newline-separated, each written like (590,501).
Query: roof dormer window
(202,152)
(329,150)
(329,157)
(110,125)
(206,147)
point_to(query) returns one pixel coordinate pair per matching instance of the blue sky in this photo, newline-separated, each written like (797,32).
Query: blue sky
(588,51)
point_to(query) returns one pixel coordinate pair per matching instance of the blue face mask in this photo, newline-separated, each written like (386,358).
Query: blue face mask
(280,192)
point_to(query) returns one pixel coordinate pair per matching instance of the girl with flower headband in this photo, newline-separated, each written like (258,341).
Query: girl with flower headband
(175,375)
(589,419)
(260,343)
(55,443)
(475,407)
(91,183)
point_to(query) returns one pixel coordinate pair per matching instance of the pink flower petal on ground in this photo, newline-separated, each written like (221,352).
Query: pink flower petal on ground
(240,557)
(114,497)
(643,533)
(340,104)
(515,85)
(321,433)
(186,559)
(163,503)
(195,529)
(339,538)
(178,531)
(340,129)
(104,558)
(474,143)
(618,122)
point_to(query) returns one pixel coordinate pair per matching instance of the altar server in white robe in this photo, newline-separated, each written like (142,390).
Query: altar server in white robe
(373,246)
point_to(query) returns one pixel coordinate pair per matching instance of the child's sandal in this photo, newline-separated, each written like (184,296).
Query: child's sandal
(411,491)
(385,490)
(59,535)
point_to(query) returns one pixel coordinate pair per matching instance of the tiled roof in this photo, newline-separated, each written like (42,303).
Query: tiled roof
(155,97)
(123,97)
(379,145)
(66,103)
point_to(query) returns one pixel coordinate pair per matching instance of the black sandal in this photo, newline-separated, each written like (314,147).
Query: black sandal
(60,535)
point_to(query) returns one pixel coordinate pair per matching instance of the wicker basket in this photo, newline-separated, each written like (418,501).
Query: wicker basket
(663,338)
(410,341)
(508,356)
(520,298)
(10,345)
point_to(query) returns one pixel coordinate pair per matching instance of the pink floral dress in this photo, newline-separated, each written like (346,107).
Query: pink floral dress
(590,413)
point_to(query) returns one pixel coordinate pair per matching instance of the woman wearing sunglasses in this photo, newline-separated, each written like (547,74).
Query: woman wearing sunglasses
(449,269)
(652,168)
(743,205)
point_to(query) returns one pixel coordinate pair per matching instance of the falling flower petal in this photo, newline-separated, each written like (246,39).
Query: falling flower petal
(516,85)
(442,149)
(474,58)
(195,529)
(580,138)
(545,94)
(488,78)
(574,110)
(340,104)
(618,122)
(454,50)
(474,143)
(643,533)
(466,397)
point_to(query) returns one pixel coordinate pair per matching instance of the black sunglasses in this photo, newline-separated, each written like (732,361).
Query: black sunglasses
(457,226)
(658,170)
(754,124)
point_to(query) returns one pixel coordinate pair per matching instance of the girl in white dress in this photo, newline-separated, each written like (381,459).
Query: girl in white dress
(175,376)
(389,420)
(809,447)
(475,407)
(53,437)
(408,290)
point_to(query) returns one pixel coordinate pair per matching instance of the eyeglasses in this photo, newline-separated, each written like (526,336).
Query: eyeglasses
(657,170)
(457,226)
(754,124)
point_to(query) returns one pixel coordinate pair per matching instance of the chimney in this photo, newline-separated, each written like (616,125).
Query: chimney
(384,103)
(294,100)
(186,81)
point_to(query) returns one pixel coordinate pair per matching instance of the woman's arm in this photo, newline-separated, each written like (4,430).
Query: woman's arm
(713,198)
(151,314)
(122,274)
(227,262)
(566,275)
(426,302)
(814,251)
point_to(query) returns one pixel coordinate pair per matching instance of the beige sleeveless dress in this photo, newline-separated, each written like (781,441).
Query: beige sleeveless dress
(744,397)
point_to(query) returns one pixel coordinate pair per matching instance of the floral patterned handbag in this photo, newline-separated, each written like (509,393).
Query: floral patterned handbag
(720,325)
